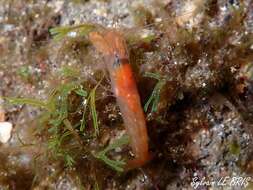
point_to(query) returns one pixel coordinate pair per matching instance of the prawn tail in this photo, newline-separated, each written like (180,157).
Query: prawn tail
(138,162)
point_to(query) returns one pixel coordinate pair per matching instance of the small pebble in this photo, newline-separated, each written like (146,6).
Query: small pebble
(5,131)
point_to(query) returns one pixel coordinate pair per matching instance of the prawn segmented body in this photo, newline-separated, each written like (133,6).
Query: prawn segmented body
(113,46)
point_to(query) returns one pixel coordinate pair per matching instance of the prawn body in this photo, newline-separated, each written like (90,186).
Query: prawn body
(112,45)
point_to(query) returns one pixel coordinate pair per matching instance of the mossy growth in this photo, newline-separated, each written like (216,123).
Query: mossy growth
(155,96)
(59,33)
(65,114)
(115,164)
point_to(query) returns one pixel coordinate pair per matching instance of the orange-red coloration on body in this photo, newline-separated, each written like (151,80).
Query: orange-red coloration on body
(112,45)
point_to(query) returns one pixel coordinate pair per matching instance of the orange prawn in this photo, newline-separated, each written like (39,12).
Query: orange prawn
(113,47)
